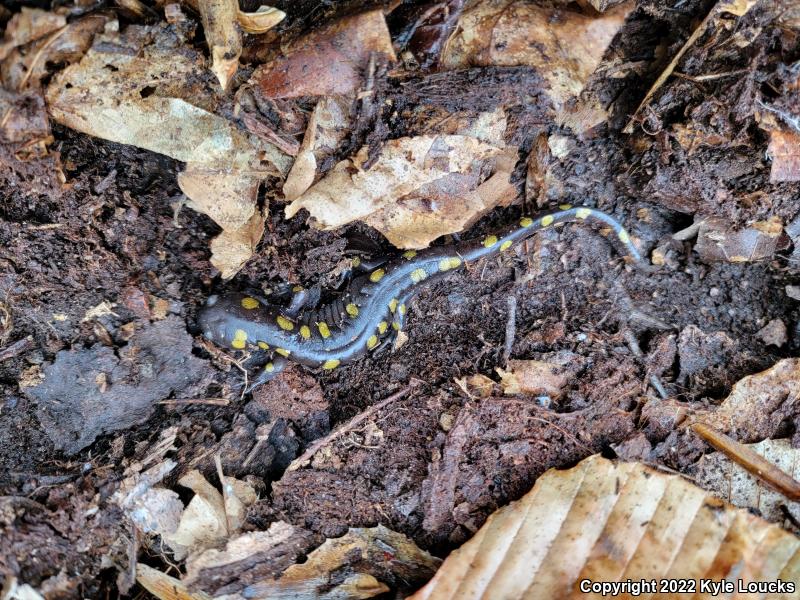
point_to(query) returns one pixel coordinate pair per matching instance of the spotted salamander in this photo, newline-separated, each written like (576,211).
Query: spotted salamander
(374,305)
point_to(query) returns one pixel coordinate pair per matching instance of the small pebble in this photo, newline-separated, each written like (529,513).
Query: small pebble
(446,421)
(793,291)
(773,333)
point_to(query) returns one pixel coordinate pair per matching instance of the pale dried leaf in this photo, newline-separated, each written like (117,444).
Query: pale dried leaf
(534,377)
(164,587)
(784,150)
(757,403)
(261,21)
(716,473)
(28,25)
(659,526)
(563,45)
(327,127)
(141,94)
(417,190)
(232,248)
(717,242)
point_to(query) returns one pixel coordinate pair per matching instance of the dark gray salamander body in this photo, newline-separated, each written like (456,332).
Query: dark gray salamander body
(374,305)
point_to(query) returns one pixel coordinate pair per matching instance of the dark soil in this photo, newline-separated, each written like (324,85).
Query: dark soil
(433,463)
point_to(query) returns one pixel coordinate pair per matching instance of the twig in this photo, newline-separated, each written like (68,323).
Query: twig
(225,492)
(753,462)
(16,348)
(212,401)
(306,457)
(511,327)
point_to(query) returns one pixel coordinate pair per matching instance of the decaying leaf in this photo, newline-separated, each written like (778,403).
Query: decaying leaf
(534,377)
(223,37)
(476,386)
(717,473)
(327,127)
(205,522)
(132,90)
(659,527)
(757,404)
(327,61)
(563,45)
(417,190)
(164,587)
(784,149)
(28,25)
(717,242)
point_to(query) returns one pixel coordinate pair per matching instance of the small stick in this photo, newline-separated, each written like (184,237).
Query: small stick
(511,328)
(752,461)
(306,457)
(16,348)
(213,401)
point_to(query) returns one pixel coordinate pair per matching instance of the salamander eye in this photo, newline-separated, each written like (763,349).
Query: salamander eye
(212,300)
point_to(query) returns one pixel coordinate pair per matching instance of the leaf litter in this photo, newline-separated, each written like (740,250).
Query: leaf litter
(336,86)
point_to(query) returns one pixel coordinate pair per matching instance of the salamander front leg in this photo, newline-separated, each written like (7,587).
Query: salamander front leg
(268,371)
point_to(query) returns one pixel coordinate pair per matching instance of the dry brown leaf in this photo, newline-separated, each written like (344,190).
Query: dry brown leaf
(534,377)
(717,242)
(563,45)
(784,150)
(610,522)
(28,25)
(417,190)
(223,37)
(329,60)
(737,8)
(141,94)
(757,404)
(716,473)
(260,21)
(327,127)
(476,386)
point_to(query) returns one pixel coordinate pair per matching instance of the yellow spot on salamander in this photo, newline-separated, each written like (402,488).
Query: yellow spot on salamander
(395,325)
(249,303)
(393,304)
(239,339)
(409,254)
(352,310)
(331,364)
(490,241)
(298,288)
(283,351)
(372,342)
(565,206)
(525,222)
(305,332)
(623,236)
(401,309)
(323,329)
(356,262)
(263,345)
(269,367)
(547,220)
(452,262)
(377,275)
(505,245)
(582,213)
(382,327)
(418,275)
(284,323)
